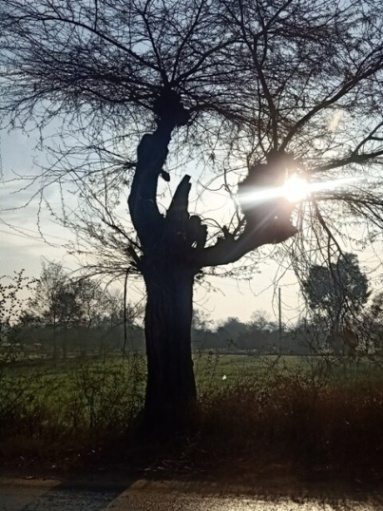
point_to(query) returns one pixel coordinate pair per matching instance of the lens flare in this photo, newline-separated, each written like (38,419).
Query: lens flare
(295,189)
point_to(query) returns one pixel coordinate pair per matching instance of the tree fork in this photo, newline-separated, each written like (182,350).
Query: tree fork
(169,278)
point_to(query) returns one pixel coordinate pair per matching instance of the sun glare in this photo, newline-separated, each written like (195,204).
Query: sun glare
(295,189)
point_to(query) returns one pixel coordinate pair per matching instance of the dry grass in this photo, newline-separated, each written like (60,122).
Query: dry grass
(330,428)
(279,417)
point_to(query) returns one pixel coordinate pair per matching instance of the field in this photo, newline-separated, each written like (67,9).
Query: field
(318,412)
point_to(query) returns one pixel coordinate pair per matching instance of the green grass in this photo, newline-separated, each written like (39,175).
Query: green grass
(72,405)
(309,412)
(219,371)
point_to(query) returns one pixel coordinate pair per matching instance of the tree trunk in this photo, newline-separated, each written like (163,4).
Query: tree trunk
(173,251)
(171,389)
(55,346)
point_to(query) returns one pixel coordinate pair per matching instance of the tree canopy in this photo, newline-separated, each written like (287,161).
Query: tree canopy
(255,77)
(340,289)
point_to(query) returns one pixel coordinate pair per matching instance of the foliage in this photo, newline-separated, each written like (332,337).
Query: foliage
(337,294)
(59,299)
(13,298)
(73,405)
(339,287)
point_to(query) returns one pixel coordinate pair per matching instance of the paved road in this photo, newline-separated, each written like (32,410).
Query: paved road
(142,495)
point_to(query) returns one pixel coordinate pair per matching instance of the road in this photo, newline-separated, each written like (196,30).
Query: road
(27,494)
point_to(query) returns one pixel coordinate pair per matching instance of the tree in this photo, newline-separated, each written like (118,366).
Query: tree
(253,89)
(55,302)
(63,303)
(339,291)
(372,333)
(12,309)
(229,331)
(262,334)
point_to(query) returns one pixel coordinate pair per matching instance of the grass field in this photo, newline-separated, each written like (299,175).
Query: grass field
(317,411)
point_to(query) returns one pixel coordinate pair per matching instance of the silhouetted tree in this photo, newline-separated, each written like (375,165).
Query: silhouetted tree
(338,291)
(253,89)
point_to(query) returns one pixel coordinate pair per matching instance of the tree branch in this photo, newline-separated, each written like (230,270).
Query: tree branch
(178,209)
(348,85)
(151,156)
(230,249)
(353,158)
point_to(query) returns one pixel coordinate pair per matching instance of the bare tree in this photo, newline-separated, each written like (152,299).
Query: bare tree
(254,89)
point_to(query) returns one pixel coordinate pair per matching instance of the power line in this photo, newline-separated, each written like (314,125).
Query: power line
(30,237)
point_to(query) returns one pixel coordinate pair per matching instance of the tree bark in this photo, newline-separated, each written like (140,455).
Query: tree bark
(171,389)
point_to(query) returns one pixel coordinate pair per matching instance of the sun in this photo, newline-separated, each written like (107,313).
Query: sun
(295,189)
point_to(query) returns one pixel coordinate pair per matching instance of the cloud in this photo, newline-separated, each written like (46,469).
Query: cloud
(18,250)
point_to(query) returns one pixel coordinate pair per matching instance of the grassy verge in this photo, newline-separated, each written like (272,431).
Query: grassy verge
(310,414)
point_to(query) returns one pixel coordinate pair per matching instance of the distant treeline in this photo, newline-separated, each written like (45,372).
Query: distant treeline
(110,335)
(65,317)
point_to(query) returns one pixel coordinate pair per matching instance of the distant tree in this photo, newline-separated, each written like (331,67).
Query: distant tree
(259,321)
(201,320)
(61,302)
(338,292)
(229,331)
(263,333)
(372,328)
(201,331)
(50,302)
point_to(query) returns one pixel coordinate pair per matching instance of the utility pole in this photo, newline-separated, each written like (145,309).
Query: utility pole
(125,311)
(280,317)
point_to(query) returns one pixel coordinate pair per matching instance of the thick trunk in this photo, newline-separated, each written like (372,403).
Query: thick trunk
(173,251)
(171,390)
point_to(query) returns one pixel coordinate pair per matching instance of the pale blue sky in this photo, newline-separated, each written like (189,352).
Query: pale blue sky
(23,246)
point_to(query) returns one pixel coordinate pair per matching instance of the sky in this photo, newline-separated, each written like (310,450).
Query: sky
(29,237)
(29,242)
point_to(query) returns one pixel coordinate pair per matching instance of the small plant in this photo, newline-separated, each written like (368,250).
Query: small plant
(12,308)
